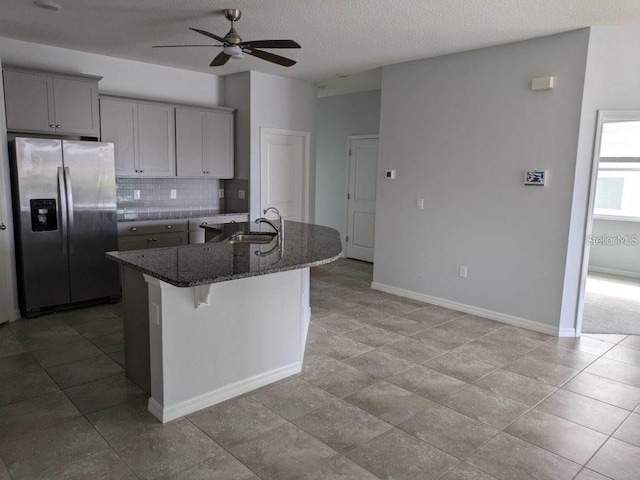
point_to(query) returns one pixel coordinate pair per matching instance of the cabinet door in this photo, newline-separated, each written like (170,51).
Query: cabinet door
(190,143)
(156,140)
(174,239)
(119,121)
(133,242)
(29,102)
(76,107)
(219,144)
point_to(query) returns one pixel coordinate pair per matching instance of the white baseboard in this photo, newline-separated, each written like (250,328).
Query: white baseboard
(611,271)
(470,309)
(171,412)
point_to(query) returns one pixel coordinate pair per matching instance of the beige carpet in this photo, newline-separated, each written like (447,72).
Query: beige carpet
(612,305)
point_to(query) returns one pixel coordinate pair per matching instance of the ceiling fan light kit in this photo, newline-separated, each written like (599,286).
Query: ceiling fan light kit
(234,47)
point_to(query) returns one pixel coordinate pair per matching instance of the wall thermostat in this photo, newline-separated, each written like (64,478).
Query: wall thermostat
(390,174)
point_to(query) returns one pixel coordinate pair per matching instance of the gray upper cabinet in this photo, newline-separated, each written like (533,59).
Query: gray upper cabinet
(44,102)
(119,124)
(143,135)
(156,140)
(204,142)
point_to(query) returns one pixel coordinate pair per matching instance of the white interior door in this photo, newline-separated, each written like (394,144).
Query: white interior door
(284,171)
(361,200)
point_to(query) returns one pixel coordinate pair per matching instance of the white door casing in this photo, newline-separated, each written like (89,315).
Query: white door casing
(361,198)
(284,172)
(8,293)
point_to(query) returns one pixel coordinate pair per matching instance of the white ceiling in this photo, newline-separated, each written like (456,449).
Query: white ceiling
(353,37)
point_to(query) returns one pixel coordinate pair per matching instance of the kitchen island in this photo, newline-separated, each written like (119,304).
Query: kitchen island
(205,323)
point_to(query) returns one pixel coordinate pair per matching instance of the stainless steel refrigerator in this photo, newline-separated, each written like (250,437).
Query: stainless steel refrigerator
(64,204)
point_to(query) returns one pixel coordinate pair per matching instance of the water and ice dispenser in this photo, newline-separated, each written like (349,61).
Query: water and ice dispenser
(44,215)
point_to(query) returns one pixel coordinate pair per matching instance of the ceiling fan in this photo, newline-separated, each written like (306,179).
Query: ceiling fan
(234,47)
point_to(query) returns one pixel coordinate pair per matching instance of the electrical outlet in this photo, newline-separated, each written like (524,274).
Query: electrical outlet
(174,194)
(136,194)
(241,194)
(420,203)
(463,271)
(221,193)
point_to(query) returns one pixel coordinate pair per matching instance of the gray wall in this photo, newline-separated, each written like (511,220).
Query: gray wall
(461,130)
(338,117)
(622,258)
(270,101)
(237,94)
(612,82)
(286,103)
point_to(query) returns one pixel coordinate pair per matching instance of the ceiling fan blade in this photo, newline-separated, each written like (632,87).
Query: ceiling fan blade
(271,57)
(207,34)
(220,60)
(271,44)
(175,46)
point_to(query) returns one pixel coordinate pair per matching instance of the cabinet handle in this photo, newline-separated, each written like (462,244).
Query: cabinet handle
(169,227)
(52,125)
(3,226)
(141,171)
(57,126)
(133,229)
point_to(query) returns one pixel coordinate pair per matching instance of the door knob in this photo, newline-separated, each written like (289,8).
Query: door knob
(3,226)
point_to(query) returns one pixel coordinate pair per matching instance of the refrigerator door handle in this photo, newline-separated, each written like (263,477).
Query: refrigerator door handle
(63,210)
(67,182)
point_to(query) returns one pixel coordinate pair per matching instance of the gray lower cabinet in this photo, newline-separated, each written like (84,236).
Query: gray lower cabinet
(152,234)
(143,135)
(51,103)
(204,142)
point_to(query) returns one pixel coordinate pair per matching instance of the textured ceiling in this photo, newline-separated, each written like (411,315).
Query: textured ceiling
(337,36)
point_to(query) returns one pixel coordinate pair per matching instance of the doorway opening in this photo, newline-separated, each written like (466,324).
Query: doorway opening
(361,196)
(611,283)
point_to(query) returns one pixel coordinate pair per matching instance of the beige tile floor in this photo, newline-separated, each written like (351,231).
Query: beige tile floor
(391,389)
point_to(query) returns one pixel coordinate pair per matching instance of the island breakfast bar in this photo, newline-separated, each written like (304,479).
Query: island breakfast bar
(205,323)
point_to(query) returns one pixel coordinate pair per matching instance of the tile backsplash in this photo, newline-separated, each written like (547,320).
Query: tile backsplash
(192,194)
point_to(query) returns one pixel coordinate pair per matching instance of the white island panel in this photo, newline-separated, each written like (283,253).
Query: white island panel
(251,333)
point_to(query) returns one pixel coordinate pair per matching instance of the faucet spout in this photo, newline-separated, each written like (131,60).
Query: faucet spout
(269,222)
(279,229)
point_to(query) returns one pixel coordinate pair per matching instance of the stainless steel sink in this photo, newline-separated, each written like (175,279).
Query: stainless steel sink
(253,237)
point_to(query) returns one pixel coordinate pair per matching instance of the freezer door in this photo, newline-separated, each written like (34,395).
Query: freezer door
(91,194)
(39,205)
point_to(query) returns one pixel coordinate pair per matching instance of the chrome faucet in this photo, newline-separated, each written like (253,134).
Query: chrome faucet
(279,229)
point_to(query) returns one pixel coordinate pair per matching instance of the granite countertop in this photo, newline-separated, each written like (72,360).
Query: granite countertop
(305,245)
(178,215)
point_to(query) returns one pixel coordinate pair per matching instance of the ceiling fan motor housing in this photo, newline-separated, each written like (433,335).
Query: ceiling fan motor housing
(232,14)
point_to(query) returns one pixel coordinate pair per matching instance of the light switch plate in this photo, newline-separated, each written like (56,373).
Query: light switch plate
(221,193)
(241,194)
(174,194)
(136,194)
